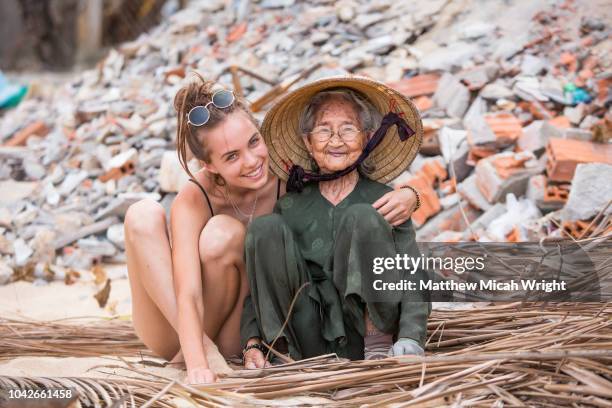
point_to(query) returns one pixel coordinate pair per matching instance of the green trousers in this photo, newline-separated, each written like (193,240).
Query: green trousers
(328,313)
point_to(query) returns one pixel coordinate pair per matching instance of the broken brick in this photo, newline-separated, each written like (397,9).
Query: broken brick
(565,154)
(451,219)
(118,172)
(430,203)
(434,171)
(469,190)
(20,138)
(506,127)
(418,85)
(578,229)
(603,89)
(556,194)
(568,60)
(423,103)
(490,133)
(477,153)
(561,122)
(505,173)
(537,110)
(514,235)
(120,165)
(237,32)
(174,72)
(507,165)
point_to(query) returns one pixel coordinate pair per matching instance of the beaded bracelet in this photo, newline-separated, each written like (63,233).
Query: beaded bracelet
(418,197)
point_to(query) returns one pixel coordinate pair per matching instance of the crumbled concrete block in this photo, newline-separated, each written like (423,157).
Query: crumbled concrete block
(505,173)
(451,95)
(469,190)
(591,192)
(13,191)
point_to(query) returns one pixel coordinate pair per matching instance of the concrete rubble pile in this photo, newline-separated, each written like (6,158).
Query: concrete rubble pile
(515,108)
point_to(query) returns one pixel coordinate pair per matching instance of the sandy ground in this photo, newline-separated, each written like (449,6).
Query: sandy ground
(57,300)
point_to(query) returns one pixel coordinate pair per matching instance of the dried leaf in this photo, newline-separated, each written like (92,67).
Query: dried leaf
(102,295)
(71,277)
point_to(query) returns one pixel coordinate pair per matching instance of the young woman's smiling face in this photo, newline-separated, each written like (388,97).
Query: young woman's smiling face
(336,117)
(237,152)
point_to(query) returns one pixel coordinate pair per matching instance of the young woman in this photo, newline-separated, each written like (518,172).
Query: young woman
(189,284)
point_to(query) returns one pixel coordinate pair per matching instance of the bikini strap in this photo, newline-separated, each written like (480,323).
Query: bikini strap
(278,186)
(205,195)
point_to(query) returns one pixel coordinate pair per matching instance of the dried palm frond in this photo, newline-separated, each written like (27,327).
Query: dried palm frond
(511,355)
(75,337)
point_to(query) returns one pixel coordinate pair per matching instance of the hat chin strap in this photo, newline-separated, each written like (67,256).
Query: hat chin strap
(298,176)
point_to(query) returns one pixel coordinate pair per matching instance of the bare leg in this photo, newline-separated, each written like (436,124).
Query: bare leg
(154,307)
(149,261)
(224,281)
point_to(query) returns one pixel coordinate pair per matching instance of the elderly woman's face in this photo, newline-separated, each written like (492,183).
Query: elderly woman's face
(336,140)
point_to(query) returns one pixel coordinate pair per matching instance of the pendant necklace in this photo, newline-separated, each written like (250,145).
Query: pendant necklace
(237,210)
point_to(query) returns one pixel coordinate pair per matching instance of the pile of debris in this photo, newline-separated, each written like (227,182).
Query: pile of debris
(515,112)
(524,136)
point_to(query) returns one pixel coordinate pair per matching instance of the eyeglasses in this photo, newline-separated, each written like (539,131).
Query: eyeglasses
(199,115)
(347,133)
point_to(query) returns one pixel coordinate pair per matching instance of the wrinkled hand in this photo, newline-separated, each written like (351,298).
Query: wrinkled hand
(396,206)
(254,358)
(201,375)
(404,346)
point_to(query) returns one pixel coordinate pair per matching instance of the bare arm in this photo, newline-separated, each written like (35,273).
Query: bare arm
(188,216)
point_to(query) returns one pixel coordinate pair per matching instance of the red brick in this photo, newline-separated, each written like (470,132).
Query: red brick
(425,84)
(118,172)
(236,32)
(430,203)
(506,166)
(603,86)
(507,127)
(476,153)
(434,172)
(556,193)
(568,60)
(578,229)
(537,110)
(565,154)
(514,235)
(423,103)
(177,71)
(20,138)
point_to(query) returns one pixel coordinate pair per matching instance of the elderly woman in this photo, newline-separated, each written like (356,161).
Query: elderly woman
(309,264)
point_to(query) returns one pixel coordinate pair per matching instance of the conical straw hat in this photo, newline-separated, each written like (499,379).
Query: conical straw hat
(281,132)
